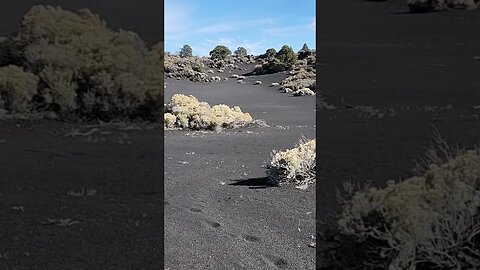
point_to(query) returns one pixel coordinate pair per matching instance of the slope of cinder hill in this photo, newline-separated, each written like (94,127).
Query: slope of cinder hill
(219,211)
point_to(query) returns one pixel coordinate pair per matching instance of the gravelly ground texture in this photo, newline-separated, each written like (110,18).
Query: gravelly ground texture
(417,71)
(91,200)
(219,214)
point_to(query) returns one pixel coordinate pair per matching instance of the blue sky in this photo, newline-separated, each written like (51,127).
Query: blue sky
(254,24)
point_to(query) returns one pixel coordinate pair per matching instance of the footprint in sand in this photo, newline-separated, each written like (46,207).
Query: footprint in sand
(213,224)
(251,238)
(277,261)
(195,210)
(281,263)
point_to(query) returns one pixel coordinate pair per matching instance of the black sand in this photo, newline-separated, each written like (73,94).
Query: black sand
(219,213)
(423,66)
(120,225)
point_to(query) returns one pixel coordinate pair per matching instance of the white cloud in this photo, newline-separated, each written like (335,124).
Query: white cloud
(220,41)
(227,25)
(291,31)
(201,50)
(256,48)
(216,28)
(184,26)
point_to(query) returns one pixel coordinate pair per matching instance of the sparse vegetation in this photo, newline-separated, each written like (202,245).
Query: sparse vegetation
(186,112)
(296,165)
(17,89)
(272,66)
(304,92)
(269,54)
(429,221)
(240,52)
(287,56)
(421,6)
(4,42)
(304,53)
(283,60)
(85,70)
(220,52)
(300,78)
(190,68)
(186,51)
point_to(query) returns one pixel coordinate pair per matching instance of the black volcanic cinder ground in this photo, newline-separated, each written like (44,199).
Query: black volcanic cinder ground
(376,54)
(116,228)
(119,226)
(218,212)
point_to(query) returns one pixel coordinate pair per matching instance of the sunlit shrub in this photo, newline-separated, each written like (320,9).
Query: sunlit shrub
(299,79)
(296,165)
(430,221)
(190,113)
(185,67)
(303,92)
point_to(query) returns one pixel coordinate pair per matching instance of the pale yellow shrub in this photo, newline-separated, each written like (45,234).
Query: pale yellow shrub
(169,120)
(85,68)
(304,92)
(17,89)
(193,114)
(299,79)
(185,67)
(296,165)
(432,218)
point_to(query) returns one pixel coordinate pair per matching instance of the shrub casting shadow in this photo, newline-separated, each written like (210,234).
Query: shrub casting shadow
(253,183)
